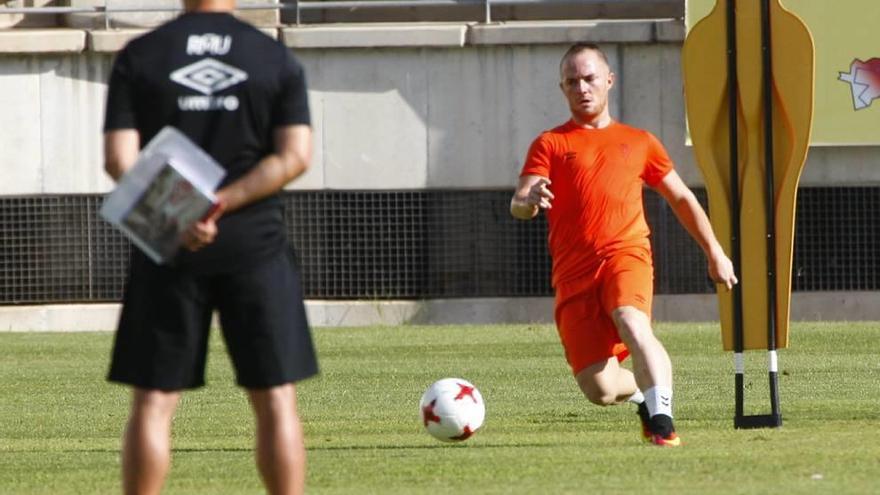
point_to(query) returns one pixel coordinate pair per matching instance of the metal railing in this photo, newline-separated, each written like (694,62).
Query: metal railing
(300,6)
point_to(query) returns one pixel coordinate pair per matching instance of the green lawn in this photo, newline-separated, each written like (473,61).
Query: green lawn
(60,422)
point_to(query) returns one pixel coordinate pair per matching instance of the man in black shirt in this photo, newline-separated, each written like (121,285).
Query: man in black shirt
(241,96)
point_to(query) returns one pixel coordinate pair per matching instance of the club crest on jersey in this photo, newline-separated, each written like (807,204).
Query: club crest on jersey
(208,76)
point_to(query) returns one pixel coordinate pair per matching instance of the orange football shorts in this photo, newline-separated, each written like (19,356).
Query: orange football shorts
(584,306)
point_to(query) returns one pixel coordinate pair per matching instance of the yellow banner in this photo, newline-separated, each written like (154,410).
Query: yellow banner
(847,110)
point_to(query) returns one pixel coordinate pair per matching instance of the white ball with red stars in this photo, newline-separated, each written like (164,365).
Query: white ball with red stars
(452,409)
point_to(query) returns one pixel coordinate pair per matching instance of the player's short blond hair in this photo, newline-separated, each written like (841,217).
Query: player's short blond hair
(582,47)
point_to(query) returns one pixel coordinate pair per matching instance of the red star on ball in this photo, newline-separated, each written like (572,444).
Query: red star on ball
(467,433)
(465,391)
(428,413)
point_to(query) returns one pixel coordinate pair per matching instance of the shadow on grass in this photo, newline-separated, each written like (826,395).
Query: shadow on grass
(117,451)
(432,447)
(309,448)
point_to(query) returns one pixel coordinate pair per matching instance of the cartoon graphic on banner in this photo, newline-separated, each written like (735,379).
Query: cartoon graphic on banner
(864,79)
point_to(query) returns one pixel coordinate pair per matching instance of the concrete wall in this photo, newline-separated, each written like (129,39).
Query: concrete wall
(148,19)
(26,21)
(806,306)
(51,131)
(261,17)
(570,9)
(395,107)
(558,9)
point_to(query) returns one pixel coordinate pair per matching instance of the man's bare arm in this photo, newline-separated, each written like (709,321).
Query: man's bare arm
(693,218)
(121,148)
(532,194)
(293,153)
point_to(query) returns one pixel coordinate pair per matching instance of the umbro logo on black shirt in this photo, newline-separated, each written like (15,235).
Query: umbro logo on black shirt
(208,75)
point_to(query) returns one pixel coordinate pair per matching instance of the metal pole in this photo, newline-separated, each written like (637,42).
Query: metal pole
(774,419)
(770,210)
(733,138)
(488,15)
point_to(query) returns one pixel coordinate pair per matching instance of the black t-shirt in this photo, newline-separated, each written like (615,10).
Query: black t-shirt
(227,86)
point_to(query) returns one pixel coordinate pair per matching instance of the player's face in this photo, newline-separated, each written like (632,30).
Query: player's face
(586,80)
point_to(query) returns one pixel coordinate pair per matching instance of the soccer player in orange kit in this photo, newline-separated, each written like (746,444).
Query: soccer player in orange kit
(588,174)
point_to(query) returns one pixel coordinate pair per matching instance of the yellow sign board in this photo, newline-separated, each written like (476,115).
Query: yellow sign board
(847,107)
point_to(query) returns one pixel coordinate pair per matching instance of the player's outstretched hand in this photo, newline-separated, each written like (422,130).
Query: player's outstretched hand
(540,194)
(203,232)
(721,270)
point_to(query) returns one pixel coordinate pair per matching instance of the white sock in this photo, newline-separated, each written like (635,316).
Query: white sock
(659,400)
(637,398)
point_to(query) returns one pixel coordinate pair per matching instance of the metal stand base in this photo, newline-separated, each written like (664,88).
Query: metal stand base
(740,419)
(758,421)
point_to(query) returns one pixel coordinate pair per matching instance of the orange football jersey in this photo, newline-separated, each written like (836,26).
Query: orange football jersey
(597,177)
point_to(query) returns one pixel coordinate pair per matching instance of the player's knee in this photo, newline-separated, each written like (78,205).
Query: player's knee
(154,404)
(632,324)
(273,403)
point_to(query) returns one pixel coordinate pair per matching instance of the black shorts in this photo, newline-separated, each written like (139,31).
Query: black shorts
(161,341)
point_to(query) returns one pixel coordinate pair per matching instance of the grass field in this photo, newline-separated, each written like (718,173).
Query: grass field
(60,422)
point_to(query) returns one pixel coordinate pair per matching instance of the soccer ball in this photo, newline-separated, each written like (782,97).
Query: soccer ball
(452,409)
